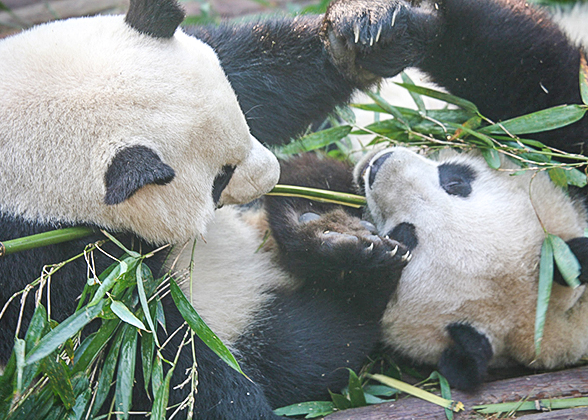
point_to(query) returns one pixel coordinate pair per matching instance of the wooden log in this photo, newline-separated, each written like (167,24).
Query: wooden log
(570,383)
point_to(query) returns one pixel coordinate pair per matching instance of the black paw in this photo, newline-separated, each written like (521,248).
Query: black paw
(380,36)
(338,242)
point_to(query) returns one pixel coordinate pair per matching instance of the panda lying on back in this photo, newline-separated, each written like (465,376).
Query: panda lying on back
(467,299)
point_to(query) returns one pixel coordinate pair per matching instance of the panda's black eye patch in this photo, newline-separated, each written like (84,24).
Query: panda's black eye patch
(456,179)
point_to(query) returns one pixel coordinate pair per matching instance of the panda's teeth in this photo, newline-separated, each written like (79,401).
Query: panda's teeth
(379,33)
(406,257)
(356,32)
(370,248)
(394,251)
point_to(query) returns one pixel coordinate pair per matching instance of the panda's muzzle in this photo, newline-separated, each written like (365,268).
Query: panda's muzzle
(221,181)
(371,168)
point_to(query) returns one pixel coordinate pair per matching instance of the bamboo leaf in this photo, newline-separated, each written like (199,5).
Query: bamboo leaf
(200,328)
(340,401)
(161,398)
(108,369)
(491,157)
(445,97)
(558,177)
(19,351)
(576,178)
(63,331)
(37,328)
(157,374)
(418,100)
(126,315)
(83,393)
(59,381)
(311,409)
(109,281)
(419,393)
(445,391)
(544,291)
(314,141)
(125,377)
(545,404)
(389,109)
(87,353)
(147,349)
(566,261)
(144,304)
(356,395)
(537,122)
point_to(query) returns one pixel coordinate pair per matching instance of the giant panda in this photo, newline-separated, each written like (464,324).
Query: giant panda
(132,125)
(467,299)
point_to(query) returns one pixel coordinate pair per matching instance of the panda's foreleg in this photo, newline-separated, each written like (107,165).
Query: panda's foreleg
(345,274)
(465,362)
(509,59)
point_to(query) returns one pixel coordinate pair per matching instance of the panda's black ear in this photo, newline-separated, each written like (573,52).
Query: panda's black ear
(465,362)
(156,18)
(133,168)
(579,247)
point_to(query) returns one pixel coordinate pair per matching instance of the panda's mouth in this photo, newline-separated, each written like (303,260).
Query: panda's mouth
(221,181)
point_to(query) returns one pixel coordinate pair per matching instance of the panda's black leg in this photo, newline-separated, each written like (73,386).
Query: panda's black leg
(290,72)
(579,246)
(509,59)
(465,362)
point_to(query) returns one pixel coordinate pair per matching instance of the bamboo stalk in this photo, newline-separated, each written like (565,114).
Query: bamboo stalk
(316,194)
(44,239)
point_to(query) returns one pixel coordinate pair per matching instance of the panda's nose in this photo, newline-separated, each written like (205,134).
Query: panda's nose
(375,165)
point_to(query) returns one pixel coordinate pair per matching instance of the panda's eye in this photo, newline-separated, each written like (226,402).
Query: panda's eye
(456,179)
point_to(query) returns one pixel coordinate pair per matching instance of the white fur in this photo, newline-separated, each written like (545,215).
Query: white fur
(74,92)
(477,259)
(232,276)
(574,22)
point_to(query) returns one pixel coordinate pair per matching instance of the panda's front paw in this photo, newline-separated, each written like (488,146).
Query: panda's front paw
(338,242)
(378,37)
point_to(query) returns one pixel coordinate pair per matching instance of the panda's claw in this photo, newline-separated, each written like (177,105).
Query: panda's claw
(394,251)
(406,257)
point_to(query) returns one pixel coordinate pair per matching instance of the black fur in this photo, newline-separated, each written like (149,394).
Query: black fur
(465,363)
(456,179)
(156,18)
(133,168)
(405,233)
(221,181)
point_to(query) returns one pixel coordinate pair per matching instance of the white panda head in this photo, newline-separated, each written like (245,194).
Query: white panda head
(476,236)
(125,123)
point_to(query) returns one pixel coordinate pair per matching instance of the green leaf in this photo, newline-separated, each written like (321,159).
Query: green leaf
(93,345)
(157,374)
(340,401)
(133,254)
(576,177)
(315,141)
(37,328)
(108,369)
(491,157)
(558,177)
(544,291)
(83,393)
(19,351)
(537,122)
(161,398)
(59,381)
(445,97)
(566,261)
(109,281)
(445,391)
(389,109)
(63,331)
(200,328)
(418,100)
(311,409)
(125,376)
(144,304)
(147,349)
(380,390)
(356,395)
(584,79)
(126,315)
